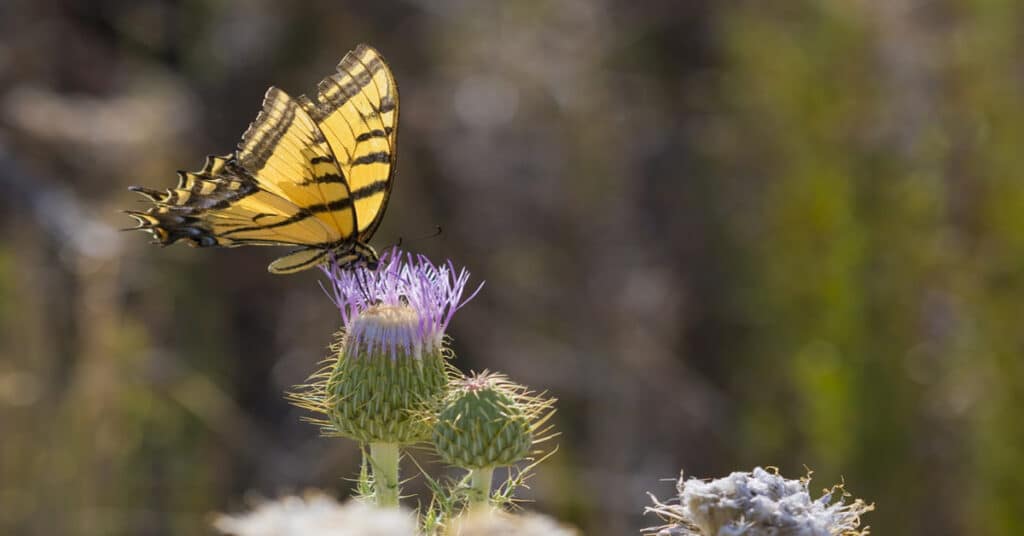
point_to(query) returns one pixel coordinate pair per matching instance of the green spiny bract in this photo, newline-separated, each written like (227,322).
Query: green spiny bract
(377,393)
(487,421)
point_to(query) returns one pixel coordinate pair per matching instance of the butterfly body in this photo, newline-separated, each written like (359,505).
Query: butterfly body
(313,173)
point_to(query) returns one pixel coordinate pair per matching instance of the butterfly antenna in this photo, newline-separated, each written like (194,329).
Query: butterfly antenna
(437,232)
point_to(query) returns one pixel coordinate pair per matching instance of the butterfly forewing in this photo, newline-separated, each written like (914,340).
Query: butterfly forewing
(287,154)
(357,109)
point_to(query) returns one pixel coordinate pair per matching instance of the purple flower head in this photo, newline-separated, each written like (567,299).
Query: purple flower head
(404,305)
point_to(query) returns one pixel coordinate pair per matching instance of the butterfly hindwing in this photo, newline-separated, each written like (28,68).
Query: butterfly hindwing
(222,205)
(298,260)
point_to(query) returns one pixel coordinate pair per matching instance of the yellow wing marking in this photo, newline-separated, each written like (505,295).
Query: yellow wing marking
(287,154)
(357,111)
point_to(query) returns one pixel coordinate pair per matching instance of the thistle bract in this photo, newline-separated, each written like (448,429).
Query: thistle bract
(379,386)
(390,362)
(486,421)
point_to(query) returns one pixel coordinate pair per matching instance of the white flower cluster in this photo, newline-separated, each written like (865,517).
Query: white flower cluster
(317,514)
(492,523)
(758,503)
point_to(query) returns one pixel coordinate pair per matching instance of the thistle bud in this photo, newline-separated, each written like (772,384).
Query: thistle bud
(487,421)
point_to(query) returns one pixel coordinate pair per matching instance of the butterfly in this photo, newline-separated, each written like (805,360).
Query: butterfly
(312,173)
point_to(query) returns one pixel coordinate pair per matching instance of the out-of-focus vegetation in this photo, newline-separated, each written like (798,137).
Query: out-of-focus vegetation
(723,234)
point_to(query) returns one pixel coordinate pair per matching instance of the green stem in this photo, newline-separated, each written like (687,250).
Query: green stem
(384,461)
(480,485)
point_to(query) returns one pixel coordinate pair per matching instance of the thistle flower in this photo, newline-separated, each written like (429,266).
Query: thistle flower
(487,421)
(759,503)
(402,307)
(389,364)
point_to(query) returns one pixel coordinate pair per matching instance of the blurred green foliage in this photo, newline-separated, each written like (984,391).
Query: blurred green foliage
(723,234)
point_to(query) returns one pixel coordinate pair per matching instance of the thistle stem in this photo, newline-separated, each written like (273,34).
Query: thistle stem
(384,461)
(480,486)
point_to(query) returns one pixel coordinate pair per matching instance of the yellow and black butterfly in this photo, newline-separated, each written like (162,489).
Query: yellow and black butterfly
(313,173)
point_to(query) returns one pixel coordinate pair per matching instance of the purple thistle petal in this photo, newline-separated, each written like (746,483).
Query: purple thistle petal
(433,292)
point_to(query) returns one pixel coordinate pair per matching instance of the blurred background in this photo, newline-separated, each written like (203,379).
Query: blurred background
(722,233)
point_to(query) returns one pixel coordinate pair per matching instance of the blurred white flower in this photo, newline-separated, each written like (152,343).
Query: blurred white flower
(497,523)
(758,503)
(317,514)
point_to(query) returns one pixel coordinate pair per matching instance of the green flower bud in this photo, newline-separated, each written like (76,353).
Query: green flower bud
(487,421)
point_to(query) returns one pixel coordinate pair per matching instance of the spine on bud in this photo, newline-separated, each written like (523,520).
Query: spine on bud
(482,428)
(487,422)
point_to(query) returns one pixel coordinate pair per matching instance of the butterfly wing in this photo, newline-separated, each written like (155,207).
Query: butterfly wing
(223,205)
(287,154)
(281,187)
(314,173)
(356,108)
